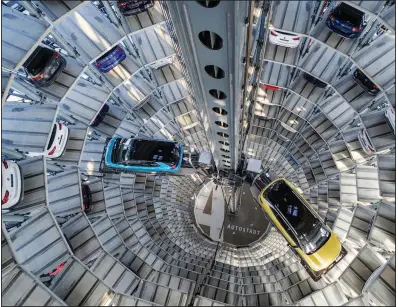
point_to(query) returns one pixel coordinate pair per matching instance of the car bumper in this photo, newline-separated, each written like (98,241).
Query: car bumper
(288,44)
(112,64)
(372,92)
(62,147)
(17,190)
(51,80)
(336,30)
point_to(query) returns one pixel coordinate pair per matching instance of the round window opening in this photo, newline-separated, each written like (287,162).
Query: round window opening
(221,124)
(215,71)
(211,40)
(209,4)
(222,134)
(223,143)
(217,94)
(224,150)
(220,111)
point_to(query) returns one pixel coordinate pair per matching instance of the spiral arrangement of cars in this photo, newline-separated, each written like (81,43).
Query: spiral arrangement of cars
(41,69)
(348,22)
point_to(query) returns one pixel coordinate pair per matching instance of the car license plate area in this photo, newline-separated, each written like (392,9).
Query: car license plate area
(285,40)
(60,139)
(12,180)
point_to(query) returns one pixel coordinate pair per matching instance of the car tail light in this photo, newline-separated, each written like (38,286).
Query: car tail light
(331,17)
(56,55)
(355,29)
(173,166)
(296,38)
(5,198)
(58,268)
(375,86)
(38,77)
(371,149)
(122,3)
(99,63)
(118,49)
(59,126)
(273,33)
(52,151)
(5,164)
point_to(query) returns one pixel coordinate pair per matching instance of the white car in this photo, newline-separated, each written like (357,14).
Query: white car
(57,143)
(390,118)
(284,39)
(365,142)
(11,184)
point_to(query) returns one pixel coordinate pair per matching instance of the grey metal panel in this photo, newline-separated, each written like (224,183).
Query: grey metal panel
(64,194)
(292,16)
(19,288)
(26,127)
(56,9)
(84,100)
(38,243)
(379,63)
(386,168)
(28,30)
(89,30)
(82,239)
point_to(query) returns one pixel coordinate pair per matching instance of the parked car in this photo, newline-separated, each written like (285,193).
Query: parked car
(346,21)
(364,82)
(284,39)
(365,142)
(314,242)
(44,66)
(142,155)
(57,143)
(390,118)
(133,7)
(100,116)
(11,184)
(110,59)
(87,199)
(314,81)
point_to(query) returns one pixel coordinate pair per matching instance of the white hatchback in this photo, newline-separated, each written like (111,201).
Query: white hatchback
(57,143)
(284,39)
(11,184)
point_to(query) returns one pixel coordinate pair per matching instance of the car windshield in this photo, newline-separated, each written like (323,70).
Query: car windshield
(53,133)
(38,61)
(306,227)
(126,150)
(348,15)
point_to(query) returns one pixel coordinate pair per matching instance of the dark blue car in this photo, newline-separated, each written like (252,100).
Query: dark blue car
(110,59)
(346,21)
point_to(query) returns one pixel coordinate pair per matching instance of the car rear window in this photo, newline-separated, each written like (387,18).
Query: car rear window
(53,133)
(38,61)
(349,14)
(108,53)
(285,33)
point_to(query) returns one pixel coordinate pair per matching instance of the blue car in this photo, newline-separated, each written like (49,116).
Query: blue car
(346,21)
(110,59)
(143,155)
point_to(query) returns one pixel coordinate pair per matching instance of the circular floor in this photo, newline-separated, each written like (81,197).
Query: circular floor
(242,229)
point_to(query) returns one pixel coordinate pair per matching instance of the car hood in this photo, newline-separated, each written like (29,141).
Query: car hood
(326,255)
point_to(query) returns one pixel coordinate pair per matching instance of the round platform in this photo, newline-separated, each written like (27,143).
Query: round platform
(242,229)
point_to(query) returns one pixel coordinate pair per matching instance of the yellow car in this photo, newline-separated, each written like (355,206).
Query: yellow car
(314,242)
